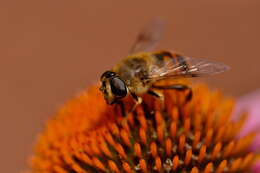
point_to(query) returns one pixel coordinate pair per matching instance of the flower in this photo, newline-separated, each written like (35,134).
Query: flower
(87,135)
(250,103)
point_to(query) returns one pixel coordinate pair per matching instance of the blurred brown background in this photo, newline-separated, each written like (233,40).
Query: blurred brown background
(52,49)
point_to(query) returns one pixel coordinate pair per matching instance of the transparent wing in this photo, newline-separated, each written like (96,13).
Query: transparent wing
(183,67)
(148,38)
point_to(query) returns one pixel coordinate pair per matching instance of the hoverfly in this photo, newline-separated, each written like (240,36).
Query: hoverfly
(137,74)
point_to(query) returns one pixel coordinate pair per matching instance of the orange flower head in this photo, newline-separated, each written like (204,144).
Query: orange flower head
(89,136)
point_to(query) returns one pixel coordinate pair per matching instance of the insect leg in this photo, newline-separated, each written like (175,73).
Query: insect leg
(138,100)
(179,87)
(157,94)
(122,108)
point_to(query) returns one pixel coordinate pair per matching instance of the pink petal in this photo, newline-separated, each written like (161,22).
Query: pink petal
(251,104)
(256,168)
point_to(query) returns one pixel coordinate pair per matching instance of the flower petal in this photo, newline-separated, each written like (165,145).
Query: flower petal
(250,103)
(256,167)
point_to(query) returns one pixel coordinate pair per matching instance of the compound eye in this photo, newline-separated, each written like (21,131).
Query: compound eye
(118,87)
(108,74)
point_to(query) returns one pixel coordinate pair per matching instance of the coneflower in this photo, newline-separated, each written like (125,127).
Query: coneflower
(89,136)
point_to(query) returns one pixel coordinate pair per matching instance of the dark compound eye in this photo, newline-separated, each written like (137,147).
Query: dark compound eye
(108,74)
(118,87)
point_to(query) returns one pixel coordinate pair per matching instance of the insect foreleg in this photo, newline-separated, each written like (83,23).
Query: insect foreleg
(122,108)
(138,100)
(179,87)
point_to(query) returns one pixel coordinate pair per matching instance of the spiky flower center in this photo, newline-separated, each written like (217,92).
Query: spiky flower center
(180,137)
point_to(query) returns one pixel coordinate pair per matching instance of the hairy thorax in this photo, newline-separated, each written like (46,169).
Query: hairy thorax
(134,71)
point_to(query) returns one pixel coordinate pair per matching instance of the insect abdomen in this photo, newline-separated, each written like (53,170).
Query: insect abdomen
(165,56)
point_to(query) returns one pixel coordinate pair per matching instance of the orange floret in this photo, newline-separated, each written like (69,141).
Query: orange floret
(87,135)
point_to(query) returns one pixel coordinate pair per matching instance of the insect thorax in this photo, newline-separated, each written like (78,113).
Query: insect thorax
(134,71)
